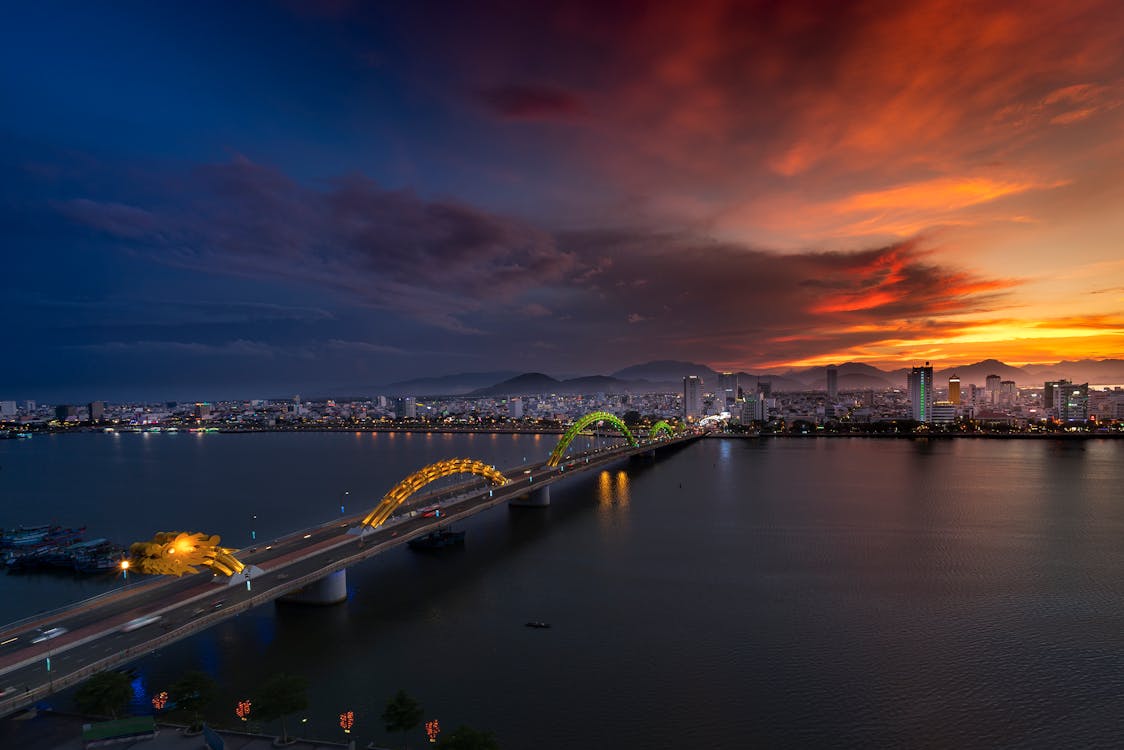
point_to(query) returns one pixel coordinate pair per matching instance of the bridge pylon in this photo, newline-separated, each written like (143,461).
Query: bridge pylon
(538,498)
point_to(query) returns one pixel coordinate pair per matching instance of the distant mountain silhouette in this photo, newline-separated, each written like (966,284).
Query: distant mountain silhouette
(444,385)
(667,375)
(1094,371)
(666,370)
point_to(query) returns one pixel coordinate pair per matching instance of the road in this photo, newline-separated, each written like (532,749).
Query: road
(94,638)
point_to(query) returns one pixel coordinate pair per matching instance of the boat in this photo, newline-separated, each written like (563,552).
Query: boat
(537,624)
(25,536)
(440,539)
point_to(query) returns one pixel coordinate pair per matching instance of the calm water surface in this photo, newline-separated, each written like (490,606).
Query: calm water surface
(784,593)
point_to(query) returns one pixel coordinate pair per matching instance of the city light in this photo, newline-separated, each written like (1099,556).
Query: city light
(243,710)
(432,729)
(347,721)
(159,701)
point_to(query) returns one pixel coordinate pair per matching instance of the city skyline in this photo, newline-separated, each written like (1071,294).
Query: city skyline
(298,197)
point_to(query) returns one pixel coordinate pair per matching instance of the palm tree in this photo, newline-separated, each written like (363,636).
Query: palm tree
(402,714)
(194,692)
(280,696)
(104,694)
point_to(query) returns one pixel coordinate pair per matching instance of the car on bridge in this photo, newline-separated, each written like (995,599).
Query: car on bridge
(140,622)
(47,635)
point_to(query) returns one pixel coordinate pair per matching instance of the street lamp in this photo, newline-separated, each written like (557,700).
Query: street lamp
(343,501)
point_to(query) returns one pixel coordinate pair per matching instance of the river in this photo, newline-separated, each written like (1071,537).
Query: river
(735,593)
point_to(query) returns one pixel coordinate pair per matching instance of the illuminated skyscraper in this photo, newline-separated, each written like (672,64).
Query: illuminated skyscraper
(832,382)
(954,390)
(692,397)
(921,392)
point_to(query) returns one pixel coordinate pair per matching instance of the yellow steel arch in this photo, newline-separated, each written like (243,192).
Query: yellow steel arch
(411,484)
(581,424)
(661,426)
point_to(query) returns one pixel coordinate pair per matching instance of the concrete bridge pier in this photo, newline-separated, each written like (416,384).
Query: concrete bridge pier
(332,589)
(539,498)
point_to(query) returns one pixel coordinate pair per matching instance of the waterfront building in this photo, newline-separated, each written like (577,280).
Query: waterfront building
(992,387)
(1048,398)
(97,411)
(832,382)
(944,412)
(692,397)
(954,390)
(921,392)
(516,406)
(1071,402)
(203,410)
(405,407)
(7,409)
(66,413)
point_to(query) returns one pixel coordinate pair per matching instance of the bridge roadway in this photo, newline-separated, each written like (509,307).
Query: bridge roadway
(95,641)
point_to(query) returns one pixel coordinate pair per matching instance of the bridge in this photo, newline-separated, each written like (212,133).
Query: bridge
(49,652)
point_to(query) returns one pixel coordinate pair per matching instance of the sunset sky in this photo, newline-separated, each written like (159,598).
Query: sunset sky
(212,199)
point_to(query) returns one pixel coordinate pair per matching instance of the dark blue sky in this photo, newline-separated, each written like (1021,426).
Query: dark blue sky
(202,200)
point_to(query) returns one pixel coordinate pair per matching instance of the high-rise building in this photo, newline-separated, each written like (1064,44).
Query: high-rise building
(954,390)
(921,392)
(832,382)
(66,412)
(97,411)
(991,385)
(202,410)
(7,409)
(1048,408)
(516,406)
(727,390)
(765,387)
(692,397)
(1071,402)
(1007,392)
(405,407)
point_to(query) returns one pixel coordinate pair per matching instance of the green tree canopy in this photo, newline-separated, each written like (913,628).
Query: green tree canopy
(467,738)
(402,713)
(104,694)
(194,692)
(280,696)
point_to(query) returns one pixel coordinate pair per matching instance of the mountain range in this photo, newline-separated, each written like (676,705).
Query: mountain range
(667,376)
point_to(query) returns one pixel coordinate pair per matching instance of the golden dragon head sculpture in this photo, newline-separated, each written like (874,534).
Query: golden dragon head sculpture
(174,553)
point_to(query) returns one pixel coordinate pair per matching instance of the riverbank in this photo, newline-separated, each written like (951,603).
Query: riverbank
(49,730)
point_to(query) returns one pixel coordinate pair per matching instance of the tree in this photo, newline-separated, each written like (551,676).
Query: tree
(104,694)
(282,695)
(402,714)
(467,738)
(194,692)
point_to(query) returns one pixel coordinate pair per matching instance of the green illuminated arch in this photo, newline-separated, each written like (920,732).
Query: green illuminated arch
(420,478)
(661,426)
(581,424)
